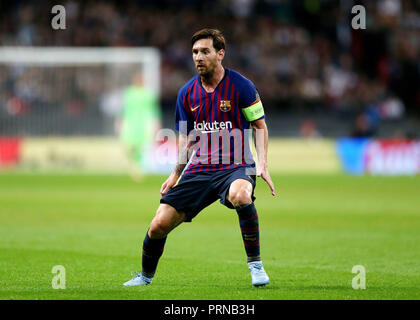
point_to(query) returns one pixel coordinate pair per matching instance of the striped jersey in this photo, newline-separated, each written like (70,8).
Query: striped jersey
(219,122)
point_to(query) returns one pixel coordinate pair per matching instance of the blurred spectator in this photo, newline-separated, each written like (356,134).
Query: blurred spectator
(362,127)
(308,129)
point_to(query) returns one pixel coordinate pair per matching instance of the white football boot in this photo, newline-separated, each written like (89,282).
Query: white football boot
(138,280)
(258,274)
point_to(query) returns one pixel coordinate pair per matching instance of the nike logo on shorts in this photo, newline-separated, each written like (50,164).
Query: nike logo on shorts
(193,109)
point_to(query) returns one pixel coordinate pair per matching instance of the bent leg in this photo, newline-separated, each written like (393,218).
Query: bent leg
(240,195)
(165,220)
(240,192)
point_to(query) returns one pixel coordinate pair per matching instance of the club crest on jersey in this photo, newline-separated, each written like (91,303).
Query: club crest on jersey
(225,105)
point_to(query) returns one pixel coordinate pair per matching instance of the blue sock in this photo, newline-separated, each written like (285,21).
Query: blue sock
(248,221)
(152,251)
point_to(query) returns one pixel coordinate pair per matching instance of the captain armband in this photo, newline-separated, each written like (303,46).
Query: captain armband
(254,111)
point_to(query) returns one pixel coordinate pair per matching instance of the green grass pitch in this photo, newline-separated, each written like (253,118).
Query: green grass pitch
(312,234)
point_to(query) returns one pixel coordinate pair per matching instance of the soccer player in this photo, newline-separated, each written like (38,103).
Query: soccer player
(217,105)
(138,123)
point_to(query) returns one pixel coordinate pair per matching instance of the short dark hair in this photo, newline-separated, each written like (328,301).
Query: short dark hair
(219,41)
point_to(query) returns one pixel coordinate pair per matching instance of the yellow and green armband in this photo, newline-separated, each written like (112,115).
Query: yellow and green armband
(254,111)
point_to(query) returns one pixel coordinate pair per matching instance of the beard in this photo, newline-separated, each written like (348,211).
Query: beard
(206,71)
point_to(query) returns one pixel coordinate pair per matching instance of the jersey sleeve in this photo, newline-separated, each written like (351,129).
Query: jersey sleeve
(183,121)
(250,102)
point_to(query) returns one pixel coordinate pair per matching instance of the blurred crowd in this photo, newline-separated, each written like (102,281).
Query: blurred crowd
(303,56)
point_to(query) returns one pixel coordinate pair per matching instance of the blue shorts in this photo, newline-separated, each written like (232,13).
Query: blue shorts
(197,190)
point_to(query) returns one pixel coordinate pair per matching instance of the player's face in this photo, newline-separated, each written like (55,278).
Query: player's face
(205,57)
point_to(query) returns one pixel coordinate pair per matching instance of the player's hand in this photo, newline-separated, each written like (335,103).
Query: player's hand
(169,183)
(263,173)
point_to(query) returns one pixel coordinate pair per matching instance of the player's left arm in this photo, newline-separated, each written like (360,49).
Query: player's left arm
(253,111)
(261,145)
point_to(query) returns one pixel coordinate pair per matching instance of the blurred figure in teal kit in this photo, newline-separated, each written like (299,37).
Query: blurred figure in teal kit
(138,123)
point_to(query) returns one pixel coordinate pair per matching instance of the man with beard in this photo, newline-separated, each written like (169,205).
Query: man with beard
(216,103)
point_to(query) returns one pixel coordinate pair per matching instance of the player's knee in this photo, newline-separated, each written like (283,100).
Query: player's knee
(158,229)
(240,197)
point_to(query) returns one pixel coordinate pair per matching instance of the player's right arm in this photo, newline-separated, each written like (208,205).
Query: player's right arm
(180,165)
(183,124)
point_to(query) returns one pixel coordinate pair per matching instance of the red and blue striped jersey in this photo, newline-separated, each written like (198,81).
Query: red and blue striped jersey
(219,120)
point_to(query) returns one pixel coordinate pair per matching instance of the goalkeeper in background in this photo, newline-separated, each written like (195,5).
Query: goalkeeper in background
(138,122)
